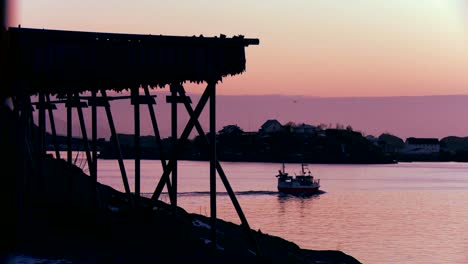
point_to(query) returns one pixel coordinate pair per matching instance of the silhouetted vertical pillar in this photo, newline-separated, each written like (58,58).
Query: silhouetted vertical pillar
(10,196)
(115,140)
(174,139)
(68,105)
(136,104)
(183,137)
(42,125)
(157,136)
(50,109)
(84,134)
(222,175)
(213,159)
(94,137)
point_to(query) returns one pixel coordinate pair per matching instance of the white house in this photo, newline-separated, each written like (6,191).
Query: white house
(421,146)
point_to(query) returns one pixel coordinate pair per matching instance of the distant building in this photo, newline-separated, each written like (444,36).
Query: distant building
(373,140)
(335,132)
(271,126)
(304,129)
(230,130)
(421,146)
(390,143)
(387,147)
(321,133)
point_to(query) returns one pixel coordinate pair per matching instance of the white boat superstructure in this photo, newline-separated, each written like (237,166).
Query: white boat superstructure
(303,183)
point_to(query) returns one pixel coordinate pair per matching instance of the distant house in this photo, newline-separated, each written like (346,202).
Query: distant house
(271,126)
(304,129)
(335,132)
(391,144)
(421,146)
(387,147)
(321,133)
(231,130)
(373,140)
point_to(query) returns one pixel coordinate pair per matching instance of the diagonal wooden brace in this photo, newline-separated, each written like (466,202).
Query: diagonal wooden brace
(117,146)
(52,126)
(183,138)
(159,142)
(79,109)
(222,175)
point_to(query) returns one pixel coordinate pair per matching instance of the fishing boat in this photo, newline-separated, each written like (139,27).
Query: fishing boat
(300,184)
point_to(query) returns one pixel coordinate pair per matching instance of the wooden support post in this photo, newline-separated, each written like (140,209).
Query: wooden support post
(115,140)
(174,139)
(213,160)
(136,137)
(52,127)
(183,137)
(238,208)
(157,136)
(84,136)
(26,138)
(223,176)
(69,128)
(30,138)
(154,123)
(94,137)
(31,125)
(42,126)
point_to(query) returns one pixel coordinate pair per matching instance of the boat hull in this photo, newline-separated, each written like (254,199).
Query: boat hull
(298,190)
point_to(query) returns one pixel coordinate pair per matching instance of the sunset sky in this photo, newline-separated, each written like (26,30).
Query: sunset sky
(318,48)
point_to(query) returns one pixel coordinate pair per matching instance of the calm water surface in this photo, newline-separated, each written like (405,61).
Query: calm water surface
(399,213)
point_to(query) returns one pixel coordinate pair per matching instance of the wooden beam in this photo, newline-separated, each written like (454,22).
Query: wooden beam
(183,137)
(52,126)
(115,140)
(94,140)
(213,159)
(174,136)
(136,118)
(84,135)
(224,179)
(69,128)
(42,126)
(157,136)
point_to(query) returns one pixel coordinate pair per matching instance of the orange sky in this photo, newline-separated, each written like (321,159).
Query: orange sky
(314,48)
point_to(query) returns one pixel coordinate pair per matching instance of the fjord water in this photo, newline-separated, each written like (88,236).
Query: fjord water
(397,213)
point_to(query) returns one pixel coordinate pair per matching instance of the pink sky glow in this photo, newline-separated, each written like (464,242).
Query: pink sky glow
(406,50)
(313,48)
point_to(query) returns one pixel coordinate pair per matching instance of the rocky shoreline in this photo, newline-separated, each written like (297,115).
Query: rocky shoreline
(64,220)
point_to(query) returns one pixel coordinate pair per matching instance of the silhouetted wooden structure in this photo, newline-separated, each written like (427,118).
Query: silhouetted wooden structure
(71,65)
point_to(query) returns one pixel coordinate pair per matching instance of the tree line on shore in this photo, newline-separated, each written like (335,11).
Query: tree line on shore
(323,144)
(329,145)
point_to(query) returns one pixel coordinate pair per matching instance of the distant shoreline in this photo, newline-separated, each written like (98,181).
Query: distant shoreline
(258,161)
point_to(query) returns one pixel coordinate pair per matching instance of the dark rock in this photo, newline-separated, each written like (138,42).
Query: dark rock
(72,218)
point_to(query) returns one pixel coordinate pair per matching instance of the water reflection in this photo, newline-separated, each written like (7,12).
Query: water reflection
(282,197)
(298,204)
(400,213)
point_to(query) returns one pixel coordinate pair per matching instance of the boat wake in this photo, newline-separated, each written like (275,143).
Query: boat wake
(240,193)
